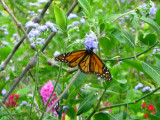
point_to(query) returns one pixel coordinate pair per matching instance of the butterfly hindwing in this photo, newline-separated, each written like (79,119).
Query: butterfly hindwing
(72,58)
(84,64)
(87,61)
(98,68)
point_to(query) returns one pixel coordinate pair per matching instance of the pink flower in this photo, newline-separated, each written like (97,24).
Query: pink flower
(12,101)
(45,92)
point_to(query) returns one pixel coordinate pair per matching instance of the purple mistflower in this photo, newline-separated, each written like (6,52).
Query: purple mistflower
(75,23)
(82,20)
(33,33)
(153,9)
(50,25)
(72,15)
(23,103)
(42,1)
(34,4)
(15,35)
(31,24)
(30,95)
(7,78)
(141,73)
(40,41)
(140,85)
(158,50)
(45,92)
(122,1)
(56,53)
(3,92)
(91,41)
(5,43)
(154,51)
(42,28)
(145,89)
(31,12)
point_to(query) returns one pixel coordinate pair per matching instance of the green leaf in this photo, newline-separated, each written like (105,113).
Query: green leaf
(58,87)
(129,39)
(136,64)
(61,18)
(118,35)
(122,81)
(106,44)
(157,16)
(70,112)
(157,57)
(153,117)
(111,18)
(87,103)
(101,116)
(151,23)
(149,39)
(23,91)
(133,94)
(86,6)
(124,37)
(79,80)
(152,71)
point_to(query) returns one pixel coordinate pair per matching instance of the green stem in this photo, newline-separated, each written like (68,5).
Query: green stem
(7,111)
(120,59)
(137,100)
(95,109)
(58,78)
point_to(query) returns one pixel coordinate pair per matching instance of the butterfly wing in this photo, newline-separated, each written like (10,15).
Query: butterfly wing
(71,58)
(84,64)
(98,68)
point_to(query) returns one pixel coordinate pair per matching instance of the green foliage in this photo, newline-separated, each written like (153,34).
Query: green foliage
(101,116)
(149,39)
(86,6)
(153,71)
(151,23)
(87,103)
(61,18)
(128,37)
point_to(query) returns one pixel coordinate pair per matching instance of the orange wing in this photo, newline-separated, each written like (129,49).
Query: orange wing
(84,64)
(98,68)
(72,58)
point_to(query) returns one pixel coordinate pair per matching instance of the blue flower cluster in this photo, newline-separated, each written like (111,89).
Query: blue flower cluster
(91,41)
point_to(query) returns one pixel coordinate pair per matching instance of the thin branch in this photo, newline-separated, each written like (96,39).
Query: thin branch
(72,7)
(52,34)
(19,25)
(60,97)
(4,64)
(7,111)
(36,20)
(32,62)
(137,100)
(120,59)
(70,70)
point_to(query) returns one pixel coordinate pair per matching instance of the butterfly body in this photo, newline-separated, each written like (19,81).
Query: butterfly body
(87,61)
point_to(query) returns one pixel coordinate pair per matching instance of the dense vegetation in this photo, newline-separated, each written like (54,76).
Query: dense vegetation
(35,86)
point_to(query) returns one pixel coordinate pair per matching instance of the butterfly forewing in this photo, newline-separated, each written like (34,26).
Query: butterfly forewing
(98,68)
(84,64)
(87,61)
(72,58)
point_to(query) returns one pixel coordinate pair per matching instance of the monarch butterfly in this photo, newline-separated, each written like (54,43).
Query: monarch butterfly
(87,61)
